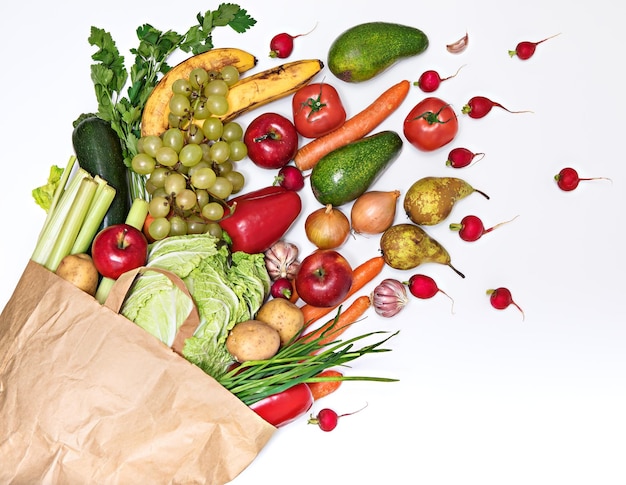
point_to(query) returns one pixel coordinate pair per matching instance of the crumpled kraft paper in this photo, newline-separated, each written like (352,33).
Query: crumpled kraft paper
(86,396)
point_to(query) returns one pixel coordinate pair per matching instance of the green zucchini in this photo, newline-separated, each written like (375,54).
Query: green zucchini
(99,151)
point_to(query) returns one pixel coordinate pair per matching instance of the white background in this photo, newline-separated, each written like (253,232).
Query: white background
(483,396)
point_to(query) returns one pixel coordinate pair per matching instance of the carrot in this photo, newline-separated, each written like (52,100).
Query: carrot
(361,275)
(294,294)
(322,389)
(340,323)
(354,128)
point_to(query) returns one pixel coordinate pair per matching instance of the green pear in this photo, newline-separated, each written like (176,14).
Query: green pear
(405,246)
(431,199)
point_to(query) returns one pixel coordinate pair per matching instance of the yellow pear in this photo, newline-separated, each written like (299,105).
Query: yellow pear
(431,199)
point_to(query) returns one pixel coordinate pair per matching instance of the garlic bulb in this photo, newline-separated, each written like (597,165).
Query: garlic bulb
(281,260)
(389,297)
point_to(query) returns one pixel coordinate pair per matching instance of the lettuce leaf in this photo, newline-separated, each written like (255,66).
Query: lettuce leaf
(226,288)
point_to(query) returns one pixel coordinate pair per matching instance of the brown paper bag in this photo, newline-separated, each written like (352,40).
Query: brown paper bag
(87,396)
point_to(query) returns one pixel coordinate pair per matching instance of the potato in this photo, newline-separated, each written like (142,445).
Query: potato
(252,340)
(79,270)
(284,316)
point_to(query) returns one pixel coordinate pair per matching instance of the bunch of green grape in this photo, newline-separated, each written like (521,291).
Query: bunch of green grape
(190,168)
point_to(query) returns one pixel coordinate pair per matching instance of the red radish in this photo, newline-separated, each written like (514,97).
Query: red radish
(462,157)
(430,80)
(525,49)
(290,177)
(471,228)
(327,419)
(282,288)
(281,44)
(479,106)
(567,179)
(424,287)
(500,298)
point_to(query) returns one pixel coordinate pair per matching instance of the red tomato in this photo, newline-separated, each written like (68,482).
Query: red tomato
(431,124)
(317,110)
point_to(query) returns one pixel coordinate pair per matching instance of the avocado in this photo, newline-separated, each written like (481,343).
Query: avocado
(348,171)
(367,49)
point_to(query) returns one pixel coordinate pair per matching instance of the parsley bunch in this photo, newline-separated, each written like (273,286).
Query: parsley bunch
(110,76)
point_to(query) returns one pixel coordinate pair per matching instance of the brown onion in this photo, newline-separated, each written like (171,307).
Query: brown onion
(327,227)
(374,211)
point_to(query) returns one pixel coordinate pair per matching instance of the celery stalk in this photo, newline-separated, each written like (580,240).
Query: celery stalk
(59,191)
(72,223)
(99,206)
(137,213)
(104,287)
(56,216)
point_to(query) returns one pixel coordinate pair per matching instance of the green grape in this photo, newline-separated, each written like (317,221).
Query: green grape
(232,131)
(175,121)
(206,152)
(220,151)
(237,179)
(213,211)
(195,225)
(223,168)
(159,207)
(218,104)
(190,154)
(201,164)
(167,156)
(157,178)
(202,197)
(214,229)
(143,164)
(238,150)
(150,188)
(198,77)
(194,134)
(174,138)
(203,178)
(201,110)
(182,86)
(159,228)
(213,128)
(160,192)
(174,183)
(178,226)
(216,86)
(230,75)
(179,105)
(222,188)
(150,144)
(186,199)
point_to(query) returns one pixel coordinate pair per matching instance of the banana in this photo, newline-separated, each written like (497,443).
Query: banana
(155,113)
(270,85)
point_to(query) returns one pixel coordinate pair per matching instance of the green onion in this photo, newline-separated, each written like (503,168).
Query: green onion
(297,362)
(100,204)
(73,222)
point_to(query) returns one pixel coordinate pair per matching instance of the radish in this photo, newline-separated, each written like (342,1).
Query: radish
(567,179)
(479,106)
(327,419)
(500,298)
(471,228)
(290,177)
(462,157)
(282,288)
(525,49)
(430,80)
(424,287)
(281,45)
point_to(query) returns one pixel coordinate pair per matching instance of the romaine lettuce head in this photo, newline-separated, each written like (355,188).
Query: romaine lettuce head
(226,288)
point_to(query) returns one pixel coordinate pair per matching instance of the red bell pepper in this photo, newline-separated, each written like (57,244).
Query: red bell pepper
(286,406)
(260,218)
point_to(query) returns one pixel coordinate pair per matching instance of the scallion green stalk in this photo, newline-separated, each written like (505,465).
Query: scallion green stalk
(100,204)
(56,217)
(73,222)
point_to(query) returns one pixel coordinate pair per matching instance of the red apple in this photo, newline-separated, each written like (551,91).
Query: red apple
(117,249)
(272,140)
(324,278)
